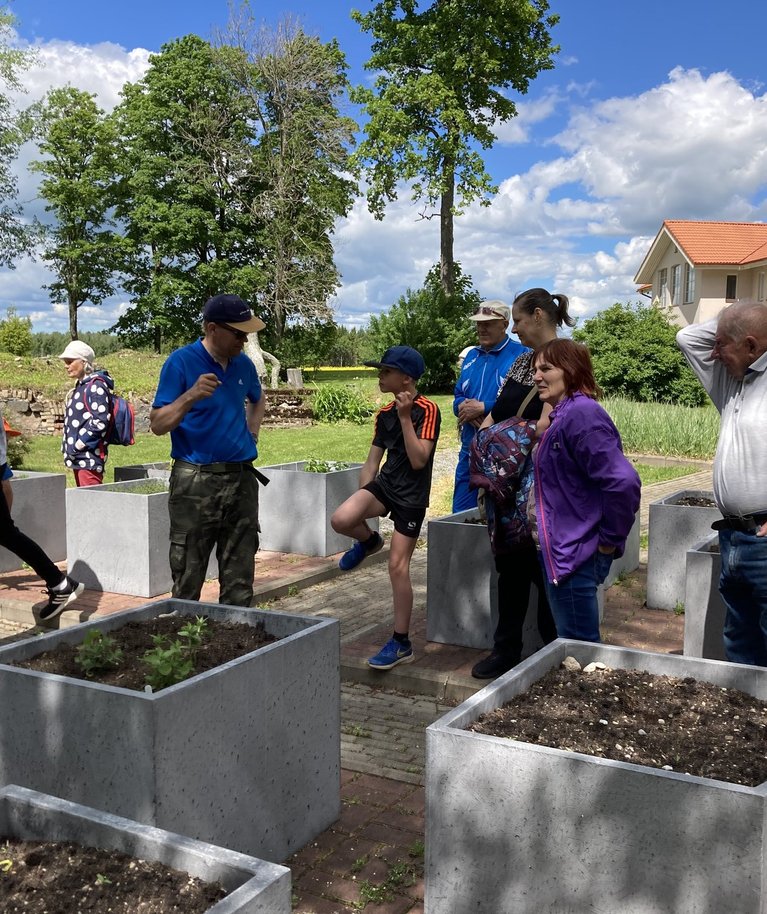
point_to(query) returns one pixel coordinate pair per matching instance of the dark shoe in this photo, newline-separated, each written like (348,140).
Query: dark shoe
(493,665)
(58,600)
(359,552)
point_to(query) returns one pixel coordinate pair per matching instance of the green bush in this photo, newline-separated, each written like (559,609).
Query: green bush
(18,448)
(633,348)
(337,402)
(435,324)
(15,333)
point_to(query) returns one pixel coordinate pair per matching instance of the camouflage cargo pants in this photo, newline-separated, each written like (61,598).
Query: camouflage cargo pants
(211,506)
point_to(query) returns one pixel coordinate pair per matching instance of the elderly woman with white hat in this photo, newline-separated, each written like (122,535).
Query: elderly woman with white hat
(87,414)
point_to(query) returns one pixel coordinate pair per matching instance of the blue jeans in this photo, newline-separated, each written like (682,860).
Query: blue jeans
(574,602)
(743,586)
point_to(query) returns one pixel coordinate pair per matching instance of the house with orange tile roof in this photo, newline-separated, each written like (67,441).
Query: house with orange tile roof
(696,268)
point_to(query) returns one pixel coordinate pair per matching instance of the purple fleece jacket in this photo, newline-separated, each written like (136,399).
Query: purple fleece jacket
(586,492)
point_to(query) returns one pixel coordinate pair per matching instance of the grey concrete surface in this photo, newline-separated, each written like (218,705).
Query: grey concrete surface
(39,511)
(704,610)
(255,886)
(514,826)
(245,756)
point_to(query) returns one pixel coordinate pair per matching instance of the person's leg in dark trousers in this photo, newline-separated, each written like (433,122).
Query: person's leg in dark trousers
(238,538)
(12,539)
(516,572)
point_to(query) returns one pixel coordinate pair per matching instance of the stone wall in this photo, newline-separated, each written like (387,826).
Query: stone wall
(32,413)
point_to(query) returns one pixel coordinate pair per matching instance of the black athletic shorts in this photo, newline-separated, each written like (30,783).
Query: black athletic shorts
(407,521)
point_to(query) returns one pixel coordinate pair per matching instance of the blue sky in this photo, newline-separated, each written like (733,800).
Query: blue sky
(654,110)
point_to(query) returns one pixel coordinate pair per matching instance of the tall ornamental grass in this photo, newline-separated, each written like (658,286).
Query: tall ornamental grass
(665,428)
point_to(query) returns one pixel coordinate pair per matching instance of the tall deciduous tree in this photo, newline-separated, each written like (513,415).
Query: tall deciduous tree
(442,70)
(78,144)
(292,84)
(16,236)
(186,169)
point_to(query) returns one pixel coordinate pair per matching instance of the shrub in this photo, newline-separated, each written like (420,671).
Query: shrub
(15,334)
(338,402)
(18,448)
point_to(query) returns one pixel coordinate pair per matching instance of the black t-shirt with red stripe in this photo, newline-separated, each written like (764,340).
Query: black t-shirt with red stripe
(402,484)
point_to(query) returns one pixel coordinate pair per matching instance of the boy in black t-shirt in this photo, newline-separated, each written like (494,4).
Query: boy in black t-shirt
(407,430)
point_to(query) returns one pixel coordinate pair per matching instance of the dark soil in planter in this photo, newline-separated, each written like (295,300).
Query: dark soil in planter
(633,716)
(224,641)
(695,501)
(69,879)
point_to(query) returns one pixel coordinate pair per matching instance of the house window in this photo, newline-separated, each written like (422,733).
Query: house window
(731,291)
(689,283)
(662,285)
(676,280)
(760,288)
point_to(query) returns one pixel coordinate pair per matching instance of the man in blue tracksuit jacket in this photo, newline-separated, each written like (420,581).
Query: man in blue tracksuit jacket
(482,374)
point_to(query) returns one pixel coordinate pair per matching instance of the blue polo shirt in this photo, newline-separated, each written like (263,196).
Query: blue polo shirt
(214,430)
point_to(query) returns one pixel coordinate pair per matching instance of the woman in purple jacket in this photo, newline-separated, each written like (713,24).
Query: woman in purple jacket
(586,493)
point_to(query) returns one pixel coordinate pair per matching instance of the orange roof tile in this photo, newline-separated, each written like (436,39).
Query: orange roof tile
(720,242)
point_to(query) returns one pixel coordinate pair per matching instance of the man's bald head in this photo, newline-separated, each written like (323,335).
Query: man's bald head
(741,336)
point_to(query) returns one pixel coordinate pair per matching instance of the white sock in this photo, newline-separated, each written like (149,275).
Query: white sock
(62,586)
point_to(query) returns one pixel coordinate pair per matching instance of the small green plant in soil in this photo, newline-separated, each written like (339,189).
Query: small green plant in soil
(168,661)
(98,652)
(148,487)
(679,608)
(315,465)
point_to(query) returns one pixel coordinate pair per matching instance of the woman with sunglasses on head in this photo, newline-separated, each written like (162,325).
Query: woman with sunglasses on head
(585,494)
(536,316)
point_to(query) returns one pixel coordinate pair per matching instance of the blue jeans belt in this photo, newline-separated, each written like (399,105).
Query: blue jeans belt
(748,523)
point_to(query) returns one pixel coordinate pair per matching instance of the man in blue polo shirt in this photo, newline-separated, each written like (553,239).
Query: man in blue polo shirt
(482,374)
(209,398)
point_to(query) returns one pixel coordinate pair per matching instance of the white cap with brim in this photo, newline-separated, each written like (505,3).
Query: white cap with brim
(492,311)
(77,349)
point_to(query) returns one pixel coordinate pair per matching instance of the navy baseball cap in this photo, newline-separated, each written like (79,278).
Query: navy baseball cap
(232,310)
(404,358)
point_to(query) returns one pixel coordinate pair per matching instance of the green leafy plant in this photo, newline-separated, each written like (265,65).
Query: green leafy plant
(172,661)
(339,402)
(679,608)
(98,652)
(101,879)
(316,465)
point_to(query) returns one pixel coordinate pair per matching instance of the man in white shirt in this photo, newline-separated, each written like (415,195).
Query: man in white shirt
(729,356)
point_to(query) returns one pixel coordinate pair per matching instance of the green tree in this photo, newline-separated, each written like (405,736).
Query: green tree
(78,145)
(307,345)
(15,333)
(186,174)
(442,72)
(291,84)
(432,322)
(633,348)
(16,236)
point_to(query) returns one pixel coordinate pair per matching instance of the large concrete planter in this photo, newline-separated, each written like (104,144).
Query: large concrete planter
(254,886)
(513,826)
(673,529)
(704,609)
(142,471)
(39,511)
(462,584)
(245,756)
(294,510)
(118,538)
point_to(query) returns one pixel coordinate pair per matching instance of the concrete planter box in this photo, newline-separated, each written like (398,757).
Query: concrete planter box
(462,585)
(118,539)
(294,510)
(254,886)
(673,529)
(704,609)
(513,826)
(143,471)
(245,756)
(39,511)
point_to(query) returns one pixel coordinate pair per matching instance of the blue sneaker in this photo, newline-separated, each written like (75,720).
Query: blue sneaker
(359,552)
(392,653)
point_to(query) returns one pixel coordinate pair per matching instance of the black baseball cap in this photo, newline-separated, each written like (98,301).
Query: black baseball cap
(232,310)
(404,358)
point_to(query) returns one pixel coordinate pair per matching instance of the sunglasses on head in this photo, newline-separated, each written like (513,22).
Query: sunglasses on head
(490,312)
(238,333)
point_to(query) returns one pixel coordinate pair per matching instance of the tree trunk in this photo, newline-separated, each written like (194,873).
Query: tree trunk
(258,356)
(73,319)
(446,271)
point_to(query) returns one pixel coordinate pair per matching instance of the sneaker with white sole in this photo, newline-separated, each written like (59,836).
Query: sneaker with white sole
(58,600)
(359,552)
(391,654)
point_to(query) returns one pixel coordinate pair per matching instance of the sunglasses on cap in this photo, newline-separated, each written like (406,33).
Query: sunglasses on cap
(490,312)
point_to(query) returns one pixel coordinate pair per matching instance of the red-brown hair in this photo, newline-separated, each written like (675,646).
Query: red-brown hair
(574,361)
